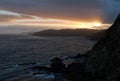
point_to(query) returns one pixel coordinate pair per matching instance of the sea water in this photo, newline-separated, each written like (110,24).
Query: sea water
(20,52)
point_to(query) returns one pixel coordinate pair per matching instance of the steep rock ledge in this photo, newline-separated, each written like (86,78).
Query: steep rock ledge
(104,57)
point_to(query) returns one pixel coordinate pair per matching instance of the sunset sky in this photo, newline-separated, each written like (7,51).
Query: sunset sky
(35,15)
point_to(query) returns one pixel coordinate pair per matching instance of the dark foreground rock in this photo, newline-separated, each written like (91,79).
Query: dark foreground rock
(57,66)
(104,59)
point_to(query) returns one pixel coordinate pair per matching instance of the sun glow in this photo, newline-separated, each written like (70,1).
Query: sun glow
(97,24)
(58,23)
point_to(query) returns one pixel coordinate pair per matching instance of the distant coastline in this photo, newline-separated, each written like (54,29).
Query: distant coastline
(89,33)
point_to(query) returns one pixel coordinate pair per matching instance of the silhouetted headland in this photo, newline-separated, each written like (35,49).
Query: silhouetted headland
(89,33)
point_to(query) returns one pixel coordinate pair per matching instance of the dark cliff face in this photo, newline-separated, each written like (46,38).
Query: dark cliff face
(104,59)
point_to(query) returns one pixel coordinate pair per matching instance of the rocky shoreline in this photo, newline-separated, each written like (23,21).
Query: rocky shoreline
(101,63)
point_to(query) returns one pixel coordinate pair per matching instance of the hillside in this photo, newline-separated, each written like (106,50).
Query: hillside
(89,33)
(104,59)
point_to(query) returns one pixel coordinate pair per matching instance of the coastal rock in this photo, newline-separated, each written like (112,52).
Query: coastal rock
(75,71)
(104,57)
(57,66)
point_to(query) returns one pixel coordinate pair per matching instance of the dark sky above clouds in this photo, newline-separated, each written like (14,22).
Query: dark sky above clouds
(83,10)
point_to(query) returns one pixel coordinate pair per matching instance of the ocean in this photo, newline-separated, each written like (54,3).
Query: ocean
(20,52)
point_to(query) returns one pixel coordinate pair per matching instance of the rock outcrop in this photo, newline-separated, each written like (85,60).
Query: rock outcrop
(57,66)
(104,58)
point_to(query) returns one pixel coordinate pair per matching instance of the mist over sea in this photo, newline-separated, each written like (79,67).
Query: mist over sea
(20,49)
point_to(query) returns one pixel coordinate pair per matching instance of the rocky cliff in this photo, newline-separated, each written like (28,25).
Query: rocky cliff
(104,57)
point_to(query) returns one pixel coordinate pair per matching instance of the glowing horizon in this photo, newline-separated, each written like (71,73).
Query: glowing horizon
(51,22)
(19,19)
